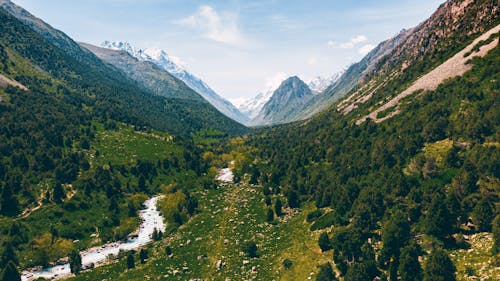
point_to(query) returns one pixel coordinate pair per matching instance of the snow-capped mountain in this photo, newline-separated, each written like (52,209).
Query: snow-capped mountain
(173,66)
(253,106)
(319,84)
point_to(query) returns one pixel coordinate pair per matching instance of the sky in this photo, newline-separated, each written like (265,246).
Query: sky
(240,47)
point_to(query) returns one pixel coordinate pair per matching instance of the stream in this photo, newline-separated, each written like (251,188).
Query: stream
(151,219)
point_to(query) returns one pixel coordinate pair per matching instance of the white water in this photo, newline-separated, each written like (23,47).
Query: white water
(225,175)
(151,219)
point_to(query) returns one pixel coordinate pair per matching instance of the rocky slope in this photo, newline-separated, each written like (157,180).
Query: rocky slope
(292,94)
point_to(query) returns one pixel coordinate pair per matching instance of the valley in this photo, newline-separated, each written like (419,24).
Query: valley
(116,163)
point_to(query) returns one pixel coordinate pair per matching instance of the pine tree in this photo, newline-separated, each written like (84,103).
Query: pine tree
(324,242)
(439,267)
(496,235)
(75,262)
(143,255)
(326,273)
(8,255)
(409,266)
(270,215)
(10,273)
(439,222)
(130,260)
(277,207)
(59,193)
(8,202)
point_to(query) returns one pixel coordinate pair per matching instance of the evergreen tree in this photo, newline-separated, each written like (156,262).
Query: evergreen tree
(75,262)
(326,273)
(439,222)
(277,207)
(168,250)
(58,193)
(360,271)
(143,255)
(270,215)
(130,260)
(250,249)
(293,199)
(324,242)
(10,273)
(395,235)
(8,255)
(409,266)
(439,267)
(496,235)
(482,215)
(8,202)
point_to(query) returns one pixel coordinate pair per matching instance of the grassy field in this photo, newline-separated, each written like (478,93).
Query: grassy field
(229,217)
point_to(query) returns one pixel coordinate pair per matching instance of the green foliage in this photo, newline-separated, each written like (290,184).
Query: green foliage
(409,267)
(130,260)
(361,271)
(10,273)
(483,215)
(496,235)
(143,255)
(287,264)
(75,262)
(439,267)
(327,220)
(270,215)
(439,221)
(278,208)
(250,249)
(395,235)
(8,255)
(324,242)
(326,273)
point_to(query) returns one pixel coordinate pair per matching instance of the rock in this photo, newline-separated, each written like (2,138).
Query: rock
(185,269)
(245,262)
(218,265)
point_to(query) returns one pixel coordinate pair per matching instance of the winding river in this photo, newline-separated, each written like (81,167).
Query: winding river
(151,219)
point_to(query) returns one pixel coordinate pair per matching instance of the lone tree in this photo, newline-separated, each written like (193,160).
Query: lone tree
(130,260)
(75,262)
(277,207)
(10,273)
(439,267)
(270,215)
(250,248)
(143,255)
(324,242)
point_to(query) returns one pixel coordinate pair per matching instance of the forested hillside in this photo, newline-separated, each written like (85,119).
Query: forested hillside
(429,175)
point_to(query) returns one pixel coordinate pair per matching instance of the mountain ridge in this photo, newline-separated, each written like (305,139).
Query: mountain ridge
(166,62)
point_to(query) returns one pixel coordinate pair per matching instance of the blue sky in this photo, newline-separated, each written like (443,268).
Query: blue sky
(239,46)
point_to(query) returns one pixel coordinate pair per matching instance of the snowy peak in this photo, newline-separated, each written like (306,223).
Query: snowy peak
(253,106)
(173,65)
(319,84)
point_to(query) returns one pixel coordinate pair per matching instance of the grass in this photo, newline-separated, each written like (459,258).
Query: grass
(125,146)
(229,217)
(478,260)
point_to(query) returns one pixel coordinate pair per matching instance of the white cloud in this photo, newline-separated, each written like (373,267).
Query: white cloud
(366,49)
(349,44)
(312,60)
(353,42)
(218,28)
(275,81)
(238,101)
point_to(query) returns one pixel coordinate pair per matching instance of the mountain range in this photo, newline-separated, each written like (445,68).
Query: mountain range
(172,66)
(387,171)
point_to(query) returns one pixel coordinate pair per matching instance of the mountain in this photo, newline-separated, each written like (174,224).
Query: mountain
(253,106)
(111,93)
(319,84)
(146,73)
(168,63)
(291,95)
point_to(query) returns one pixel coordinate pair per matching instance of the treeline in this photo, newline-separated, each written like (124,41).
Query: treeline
(428,170)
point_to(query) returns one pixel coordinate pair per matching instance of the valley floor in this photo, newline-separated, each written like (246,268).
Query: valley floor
(210,245)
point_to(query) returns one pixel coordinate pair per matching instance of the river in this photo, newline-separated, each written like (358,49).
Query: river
(151,219)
